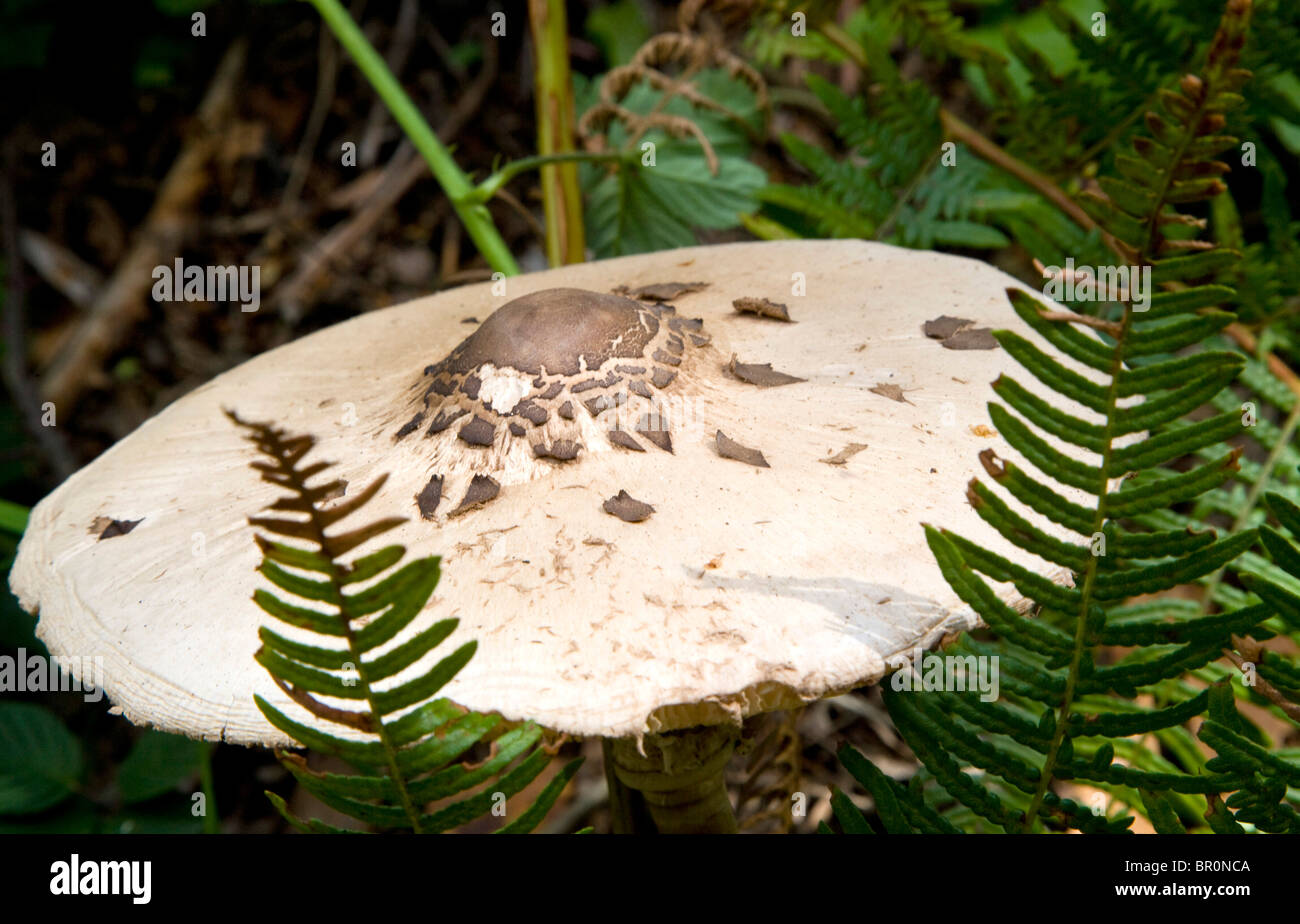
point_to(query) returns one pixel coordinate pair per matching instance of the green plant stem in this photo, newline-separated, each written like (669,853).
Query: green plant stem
(841,39)
(490,186)
(1142,252)
(475,216)
(887,226)
(13,517)
(211,820)
(561,194)
(1080,641)
(381,728)
(765,229)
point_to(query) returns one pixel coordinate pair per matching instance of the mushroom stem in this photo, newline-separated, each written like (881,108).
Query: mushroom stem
(627,809)
(679,775)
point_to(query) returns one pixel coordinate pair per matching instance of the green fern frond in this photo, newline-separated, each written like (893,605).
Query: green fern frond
(682,116)
(895,185)
(1119,60)
(1119,65)
(342,663)
(901,184)
(1069,704)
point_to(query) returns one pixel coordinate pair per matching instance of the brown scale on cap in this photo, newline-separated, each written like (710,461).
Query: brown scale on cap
(482,489)
(627,508)
(429,497)
(516,383)
(730,449)
(108,528)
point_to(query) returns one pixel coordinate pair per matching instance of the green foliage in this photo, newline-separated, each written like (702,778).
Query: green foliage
(894,187)
(159,59)
(1145,45)
(901,184)
(17,628)
(44,769)
(1060,97)
(158,764)
(406,743)
(1071,706)
(695,175)
(24,34)
(1115,72)
(1268,800)
(41,762)
(180,7)
(618,29)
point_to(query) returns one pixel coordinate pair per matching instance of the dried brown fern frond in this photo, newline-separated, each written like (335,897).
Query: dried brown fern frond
(694,53)
(731,13)
(765,794)
(599,116)
(669,63)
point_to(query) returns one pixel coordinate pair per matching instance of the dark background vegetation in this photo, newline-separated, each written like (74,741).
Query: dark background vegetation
(118,88)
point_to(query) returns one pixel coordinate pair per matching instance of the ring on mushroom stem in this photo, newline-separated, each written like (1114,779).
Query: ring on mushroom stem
(653,516)
(679,774)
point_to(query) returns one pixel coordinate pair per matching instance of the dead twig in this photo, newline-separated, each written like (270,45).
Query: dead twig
(1248,342)
(402,172)
(404,169)
(1251,652)
(957,130)
(21,388)
(327,70)
(75,279)
(1087,320)
(505,196)
(398,51)
(449,256)
(121,302)
(766,792)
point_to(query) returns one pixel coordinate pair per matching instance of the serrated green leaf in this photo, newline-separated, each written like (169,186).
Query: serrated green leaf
(1046,458)
(41,762)
(314,655)
(1135,499)
(425,720)
(1173,443)
(459,813)
(1073,343)
(1043,415)
(367,754)
(157,764)
(1173,335)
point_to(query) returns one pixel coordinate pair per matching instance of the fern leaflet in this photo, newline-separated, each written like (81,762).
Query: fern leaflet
(1067,716)
(349,657)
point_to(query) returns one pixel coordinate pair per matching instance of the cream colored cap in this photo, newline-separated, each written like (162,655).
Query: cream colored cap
(643,525)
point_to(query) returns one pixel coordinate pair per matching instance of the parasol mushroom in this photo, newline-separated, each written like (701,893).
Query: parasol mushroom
(656,518)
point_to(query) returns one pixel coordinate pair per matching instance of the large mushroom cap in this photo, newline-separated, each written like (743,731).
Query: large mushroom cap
(643,525)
